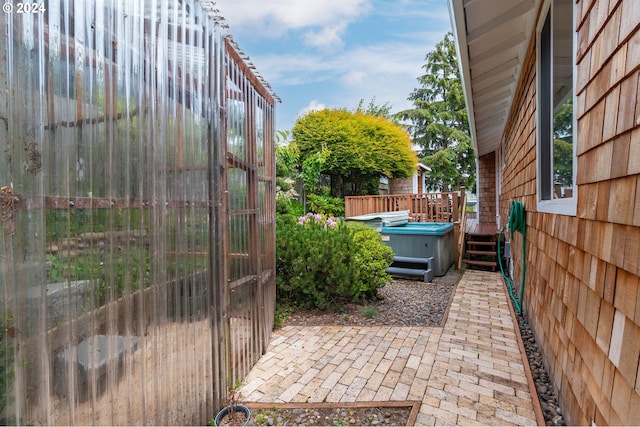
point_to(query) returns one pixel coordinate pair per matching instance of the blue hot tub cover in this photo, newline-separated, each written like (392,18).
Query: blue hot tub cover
(420,228)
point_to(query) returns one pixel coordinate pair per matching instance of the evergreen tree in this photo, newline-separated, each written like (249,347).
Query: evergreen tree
(438,122)
(374,109)
(563,144)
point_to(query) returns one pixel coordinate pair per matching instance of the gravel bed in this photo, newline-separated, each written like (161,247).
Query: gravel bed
(403,302)
(547,396)
(338,416)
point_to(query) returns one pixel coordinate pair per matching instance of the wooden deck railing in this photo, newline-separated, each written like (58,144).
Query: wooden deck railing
(426,207)
(461,229)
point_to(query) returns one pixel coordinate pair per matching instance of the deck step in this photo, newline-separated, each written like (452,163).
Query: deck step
(409,266)
(481,243)
(484,253)
(479,262)
(411,260)
(481,250)
(427,275)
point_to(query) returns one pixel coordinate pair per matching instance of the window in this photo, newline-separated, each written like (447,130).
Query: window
(556,119)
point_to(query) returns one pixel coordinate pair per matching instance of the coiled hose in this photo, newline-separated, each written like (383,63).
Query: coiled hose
(517,222)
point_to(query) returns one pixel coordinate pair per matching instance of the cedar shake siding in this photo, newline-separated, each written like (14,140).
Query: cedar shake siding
(401,186)
(487,188)
(581,290)
(582,286)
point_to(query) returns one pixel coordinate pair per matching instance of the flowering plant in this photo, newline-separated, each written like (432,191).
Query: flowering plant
(311,218)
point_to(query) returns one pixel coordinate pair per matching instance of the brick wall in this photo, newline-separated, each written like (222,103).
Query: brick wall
(582,293)
(487,188)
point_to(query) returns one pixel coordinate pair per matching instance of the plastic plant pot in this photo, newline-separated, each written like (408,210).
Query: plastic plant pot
(237,408)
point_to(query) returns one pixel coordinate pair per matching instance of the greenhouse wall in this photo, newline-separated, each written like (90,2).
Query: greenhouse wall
(137,217)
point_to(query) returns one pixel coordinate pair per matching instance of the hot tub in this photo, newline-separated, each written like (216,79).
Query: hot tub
(423,240)
(382,219)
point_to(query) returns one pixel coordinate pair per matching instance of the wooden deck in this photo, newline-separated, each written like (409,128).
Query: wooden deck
(473,227)
(480,245)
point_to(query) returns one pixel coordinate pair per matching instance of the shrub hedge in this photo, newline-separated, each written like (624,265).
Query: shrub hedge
(322,262)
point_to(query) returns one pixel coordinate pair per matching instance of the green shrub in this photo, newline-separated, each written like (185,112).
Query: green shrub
(287,197)
(372,258)
(314,262)
(288,206)
(321,262)
(326,205)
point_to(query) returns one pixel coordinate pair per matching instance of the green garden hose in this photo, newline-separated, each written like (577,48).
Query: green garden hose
(516,303)
(517,222)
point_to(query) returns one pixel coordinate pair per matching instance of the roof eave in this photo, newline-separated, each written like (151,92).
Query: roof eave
(458,23)
(492,46)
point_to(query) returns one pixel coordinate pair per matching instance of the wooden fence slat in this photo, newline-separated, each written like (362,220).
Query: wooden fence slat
(426,207)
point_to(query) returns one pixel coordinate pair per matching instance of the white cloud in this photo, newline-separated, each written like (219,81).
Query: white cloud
(314,105)
(324,19)
(354,77)
(349,67)
(326,37)
(333,53)
(294,69)
(387,71)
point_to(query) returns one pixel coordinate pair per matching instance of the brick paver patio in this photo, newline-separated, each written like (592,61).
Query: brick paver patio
(468,372)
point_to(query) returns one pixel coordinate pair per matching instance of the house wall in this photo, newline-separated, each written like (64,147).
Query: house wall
(412,185)
(401,186)
(582,294)
(487,188)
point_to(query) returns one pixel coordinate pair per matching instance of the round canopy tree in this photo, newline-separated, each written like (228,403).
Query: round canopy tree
(354,149)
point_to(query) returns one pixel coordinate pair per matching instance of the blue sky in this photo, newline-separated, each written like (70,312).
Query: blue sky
(333,53)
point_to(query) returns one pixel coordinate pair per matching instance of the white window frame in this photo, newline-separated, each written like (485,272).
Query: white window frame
(564,206)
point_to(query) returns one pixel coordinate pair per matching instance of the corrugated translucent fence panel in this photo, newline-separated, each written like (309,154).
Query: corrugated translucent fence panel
(136,257)
(249,183)
(266,201)
(22,265)
(242,280)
